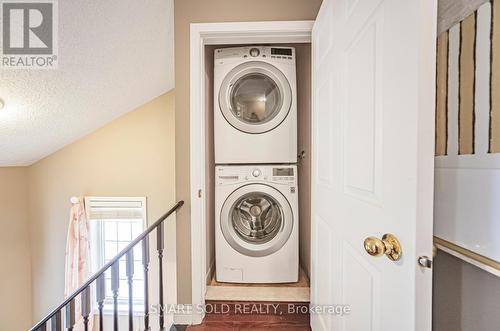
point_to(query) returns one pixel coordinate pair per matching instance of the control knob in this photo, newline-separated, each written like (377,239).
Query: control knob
(254,52)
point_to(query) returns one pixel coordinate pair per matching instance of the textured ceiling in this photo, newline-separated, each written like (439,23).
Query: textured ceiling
(114,56)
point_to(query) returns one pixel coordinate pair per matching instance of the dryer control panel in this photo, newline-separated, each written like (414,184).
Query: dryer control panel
(256,52)
(281,174)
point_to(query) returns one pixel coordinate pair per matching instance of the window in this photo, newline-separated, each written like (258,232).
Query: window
(114,223)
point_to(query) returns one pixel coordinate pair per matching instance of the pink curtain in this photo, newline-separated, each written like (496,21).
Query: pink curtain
(78,266)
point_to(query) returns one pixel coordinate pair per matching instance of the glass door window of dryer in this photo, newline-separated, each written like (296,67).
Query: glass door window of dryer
(255,97)
(256,220)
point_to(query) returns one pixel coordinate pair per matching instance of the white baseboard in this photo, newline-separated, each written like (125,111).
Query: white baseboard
(188,316)
(197,318)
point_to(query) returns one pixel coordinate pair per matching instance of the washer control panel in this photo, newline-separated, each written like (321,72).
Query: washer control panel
(283,174)
(286,54)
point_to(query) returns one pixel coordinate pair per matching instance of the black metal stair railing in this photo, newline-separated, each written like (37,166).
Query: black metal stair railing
(55,319)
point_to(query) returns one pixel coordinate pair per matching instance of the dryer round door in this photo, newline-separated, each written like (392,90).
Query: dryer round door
(256,220)
(255,97)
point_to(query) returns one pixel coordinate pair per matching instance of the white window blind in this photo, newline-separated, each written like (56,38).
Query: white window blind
(113,208)
(114,223)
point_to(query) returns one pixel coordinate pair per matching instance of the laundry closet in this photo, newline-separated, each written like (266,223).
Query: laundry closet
(258,171)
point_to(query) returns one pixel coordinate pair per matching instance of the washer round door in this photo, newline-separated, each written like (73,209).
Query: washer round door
(255,97)
(256,220)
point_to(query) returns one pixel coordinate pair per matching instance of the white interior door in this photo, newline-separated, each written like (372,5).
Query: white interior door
(373,154)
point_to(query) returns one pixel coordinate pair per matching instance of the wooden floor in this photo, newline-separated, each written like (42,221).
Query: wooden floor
(254,316)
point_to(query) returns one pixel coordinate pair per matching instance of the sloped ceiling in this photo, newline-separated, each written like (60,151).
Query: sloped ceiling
(114,56)
(451,12)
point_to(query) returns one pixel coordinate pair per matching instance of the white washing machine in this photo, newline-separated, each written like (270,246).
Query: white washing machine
(255,105)
(256,224)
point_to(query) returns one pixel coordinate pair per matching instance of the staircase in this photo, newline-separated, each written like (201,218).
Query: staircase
(64,316)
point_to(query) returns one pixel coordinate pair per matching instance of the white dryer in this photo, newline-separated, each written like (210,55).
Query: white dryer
(256,224)
(255,105)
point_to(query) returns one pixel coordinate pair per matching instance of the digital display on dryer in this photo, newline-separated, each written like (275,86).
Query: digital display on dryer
(288,172)
(281,51)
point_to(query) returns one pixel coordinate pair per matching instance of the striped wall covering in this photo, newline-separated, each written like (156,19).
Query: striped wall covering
(467,77)
(467,162)
(468,84)
(441,94)
(495,78)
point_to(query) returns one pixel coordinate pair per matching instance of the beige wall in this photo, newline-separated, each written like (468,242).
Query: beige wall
(132,156)
(195,11)
(303,53)
(465,297)
(210,161)
(15,274)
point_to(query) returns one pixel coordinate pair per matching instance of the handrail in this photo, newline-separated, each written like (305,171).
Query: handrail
(108,265)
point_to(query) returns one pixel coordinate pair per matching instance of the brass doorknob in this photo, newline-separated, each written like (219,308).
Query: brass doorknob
(389,245)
